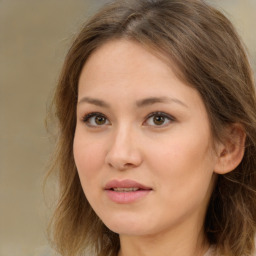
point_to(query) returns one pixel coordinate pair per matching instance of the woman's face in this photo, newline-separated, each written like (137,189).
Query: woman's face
(142,145)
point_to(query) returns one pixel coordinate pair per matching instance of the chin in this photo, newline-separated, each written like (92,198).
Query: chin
(129,226)
(129,231)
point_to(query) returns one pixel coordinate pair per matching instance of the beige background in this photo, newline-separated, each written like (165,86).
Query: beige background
(34,36)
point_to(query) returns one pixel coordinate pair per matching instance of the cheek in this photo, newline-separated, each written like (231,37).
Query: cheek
(183,177)
(184,162)
(88,158)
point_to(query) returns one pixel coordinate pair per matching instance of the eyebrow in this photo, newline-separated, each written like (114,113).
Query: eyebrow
(153,100)
(140,103)
(93,101)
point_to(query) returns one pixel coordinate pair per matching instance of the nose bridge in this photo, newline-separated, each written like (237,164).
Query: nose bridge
(123,141)
(123,135)
(123,151)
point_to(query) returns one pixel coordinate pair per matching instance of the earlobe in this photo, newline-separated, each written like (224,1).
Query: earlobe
(231,151)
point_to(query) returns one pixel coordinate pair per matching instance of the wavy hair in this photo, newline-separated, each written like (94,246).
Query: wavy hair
(209,56)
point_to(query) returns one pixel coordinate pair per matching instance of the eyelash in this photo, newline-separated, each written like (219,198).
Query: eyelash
(167,117)
(86,118)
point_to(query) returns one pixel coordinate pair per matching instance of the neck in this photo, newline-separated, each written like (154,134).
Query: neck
(186,241)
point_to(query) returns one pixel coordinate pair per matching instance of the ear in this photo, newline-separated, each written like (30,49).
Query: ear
(231,151)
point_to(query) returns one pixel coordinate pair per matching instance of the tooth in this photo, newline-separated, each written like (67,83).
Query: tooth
(125,189)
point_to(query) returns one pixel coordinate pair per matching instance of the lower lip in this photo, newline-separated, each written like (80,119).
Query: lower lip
(126,197)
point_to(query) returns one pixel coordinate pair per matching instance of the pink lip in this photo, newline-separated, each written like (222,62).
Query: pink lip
(125,184)
(126,197)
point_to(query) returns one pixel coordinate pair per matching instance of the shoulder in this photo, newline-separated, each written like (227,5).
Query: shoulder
(212,252)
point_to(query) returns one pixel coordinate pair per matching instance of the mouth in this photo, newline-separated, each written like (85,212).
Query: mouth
(125,186)
(126,191)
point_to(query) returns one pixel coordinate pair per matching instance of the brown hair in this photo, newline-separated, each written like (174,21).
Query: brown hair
(209,56)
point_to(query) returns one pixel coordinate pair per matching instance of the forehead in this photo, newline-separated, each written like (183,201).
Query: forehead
(125,70)
(127,59)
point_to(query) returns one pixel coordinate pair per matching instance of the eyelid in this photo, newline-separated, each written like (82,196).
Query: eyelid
(159,113)
(86,118)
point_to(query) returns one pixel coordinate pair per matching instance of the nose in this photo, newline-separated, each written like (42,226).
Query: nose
(124,152)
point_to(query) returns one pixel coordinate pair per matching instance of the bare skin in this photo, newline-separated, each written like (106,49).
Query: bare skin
(137,121)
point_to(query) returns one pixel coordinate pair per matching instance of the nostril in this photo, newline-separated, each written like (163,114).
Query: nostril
(121,166)
(129,165)
(122,158)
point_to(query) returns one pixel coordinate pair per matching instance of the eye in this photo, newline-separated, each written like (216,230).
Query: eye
(158,119)
(95,119)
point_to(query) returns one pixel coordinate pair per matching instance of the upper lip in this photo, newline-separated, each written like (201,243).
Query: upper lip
(125,184)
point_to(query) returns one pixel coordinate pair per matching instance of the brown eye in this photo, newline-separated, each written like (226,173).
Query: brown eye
(100,120)
(95,120)
(159,120)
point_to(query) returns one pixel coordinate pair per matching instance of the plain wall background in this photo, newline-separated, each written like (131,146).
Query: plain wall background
(34,37)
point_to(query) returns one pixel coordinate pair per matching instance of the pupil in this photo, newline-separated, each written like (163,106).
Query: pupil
(158,120)
(100,120)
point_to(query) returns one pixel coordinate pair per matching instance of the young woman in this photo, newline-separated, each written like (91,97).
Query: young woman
(157,145)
